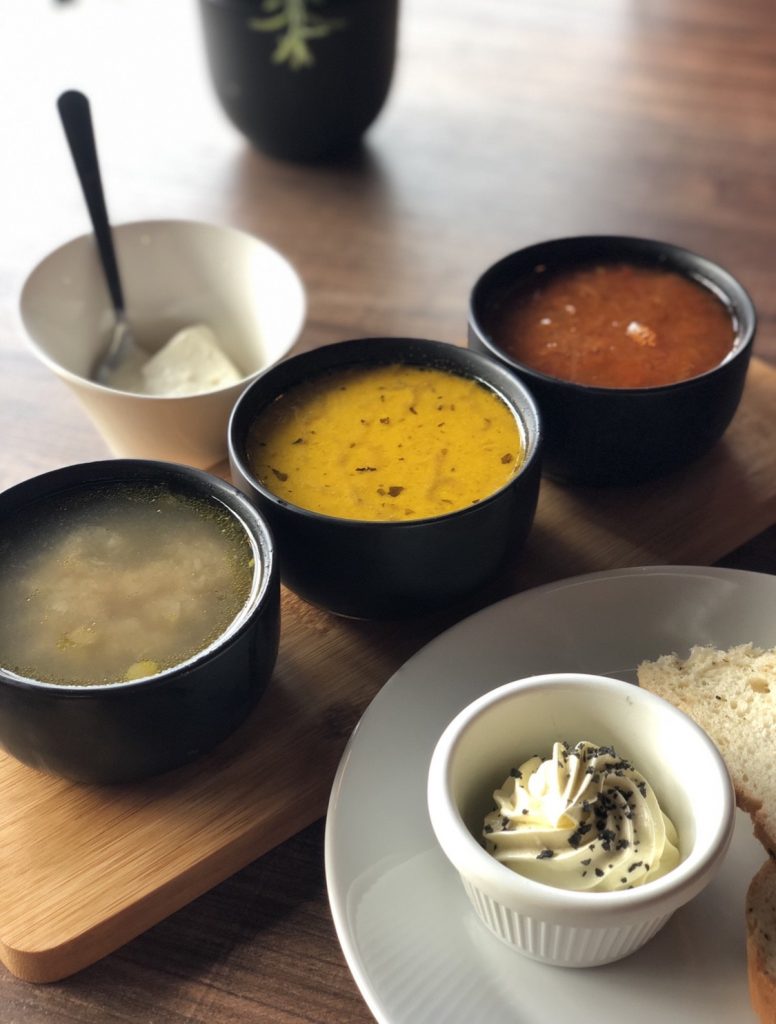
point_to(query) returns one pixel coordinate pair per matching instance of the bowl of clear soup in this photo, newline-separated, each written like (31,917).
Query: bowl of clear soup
(140,617)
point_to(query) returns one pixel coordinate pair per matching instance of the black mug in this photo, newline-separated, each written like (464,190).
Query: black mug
(302,79)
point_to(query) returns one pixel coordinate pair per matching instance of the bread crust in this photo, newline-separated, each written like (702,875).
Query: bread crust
(760,936)
(732,696)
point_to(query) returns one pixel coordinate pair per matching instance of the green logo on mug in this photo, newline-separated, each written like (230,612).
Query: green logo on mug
(296,26)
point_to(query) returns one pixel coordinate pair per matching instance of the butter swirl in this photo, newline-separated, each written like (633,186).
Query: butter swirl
(585,819)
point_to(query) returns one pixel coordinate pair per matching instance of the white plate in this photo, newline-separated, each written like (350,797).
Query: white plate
(417,952)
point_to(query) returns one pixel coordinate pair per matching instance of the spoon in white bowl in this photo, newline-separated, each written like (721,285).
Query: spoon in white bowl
(76,118)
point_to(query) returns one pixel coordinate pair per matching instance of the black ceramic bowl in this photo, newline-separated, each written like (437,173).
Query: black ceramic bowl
(606,435)
(301,85)
(366,569)
(123,731)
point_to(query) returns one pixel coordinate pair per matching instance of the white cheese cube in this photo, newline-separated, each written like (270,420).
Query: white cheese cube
(192,361)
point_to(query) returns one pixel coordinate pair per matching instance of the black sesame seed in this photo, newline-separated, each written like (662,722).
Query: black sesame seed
(545,855)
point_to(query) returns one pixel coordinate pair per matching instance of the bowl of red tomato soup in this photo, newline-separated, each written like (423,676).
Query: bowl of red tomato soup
(635,350)
(397,474)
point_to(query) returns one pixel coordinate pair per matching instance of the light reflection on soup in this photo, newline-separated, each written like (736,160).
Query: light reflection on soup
(118,583)
(386,443)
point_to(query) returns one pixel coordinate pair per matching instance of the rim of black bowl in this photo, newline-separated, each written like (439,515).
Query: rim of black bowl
(485,369)
(621,248)
(194,481)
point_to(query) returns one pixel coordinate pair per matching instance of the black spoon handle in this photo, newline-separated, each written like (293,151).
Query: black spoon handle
(77,121)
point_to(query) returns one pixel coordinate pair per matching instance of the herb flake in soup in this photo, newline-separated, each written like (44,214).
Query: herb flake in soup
(386,443)
(118,582)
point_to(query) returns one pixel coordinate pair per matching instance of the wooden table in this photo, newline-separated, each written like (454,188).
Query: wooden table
(508,122)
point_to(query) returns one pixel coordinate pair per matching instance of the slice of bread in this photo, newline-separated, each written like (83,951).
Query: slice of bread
(761,942)
(732,696)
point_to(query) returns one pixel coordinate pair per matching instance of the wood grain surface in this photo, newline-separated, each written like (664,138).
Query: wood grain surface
(509,121)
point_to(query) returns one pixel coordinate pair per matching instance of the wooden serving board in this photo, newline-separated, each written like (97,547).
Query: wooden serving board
(83,869)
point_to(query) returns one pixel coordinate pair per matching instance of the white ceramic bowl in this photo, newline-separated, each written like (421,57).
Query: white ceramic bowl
(174,274)
(509,724)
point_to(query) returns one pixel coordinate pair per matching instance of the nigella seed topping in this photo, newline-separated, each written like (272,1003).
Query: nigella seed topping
(607,837)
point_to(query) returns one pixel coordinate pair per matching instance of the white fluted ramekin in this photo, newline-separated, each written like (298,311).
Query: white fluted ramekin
(506,726)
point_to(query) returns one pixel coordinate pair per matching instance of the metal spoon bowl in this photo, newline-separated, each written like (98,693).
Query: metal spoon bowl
(75,112)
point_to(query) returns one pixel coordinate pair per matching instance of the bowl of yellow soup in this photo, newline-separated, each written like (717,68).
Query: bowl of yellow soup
(140,617)
(397,474)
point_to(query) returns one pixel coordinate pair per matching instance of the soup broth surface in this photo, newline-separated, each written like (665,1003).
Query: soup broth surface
(617,325)
(386,443)
(116,583)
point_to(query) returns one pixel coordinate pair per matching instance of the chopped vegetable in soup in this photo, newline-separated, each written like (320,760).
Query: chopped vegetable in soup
(118,583)
(392,442)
